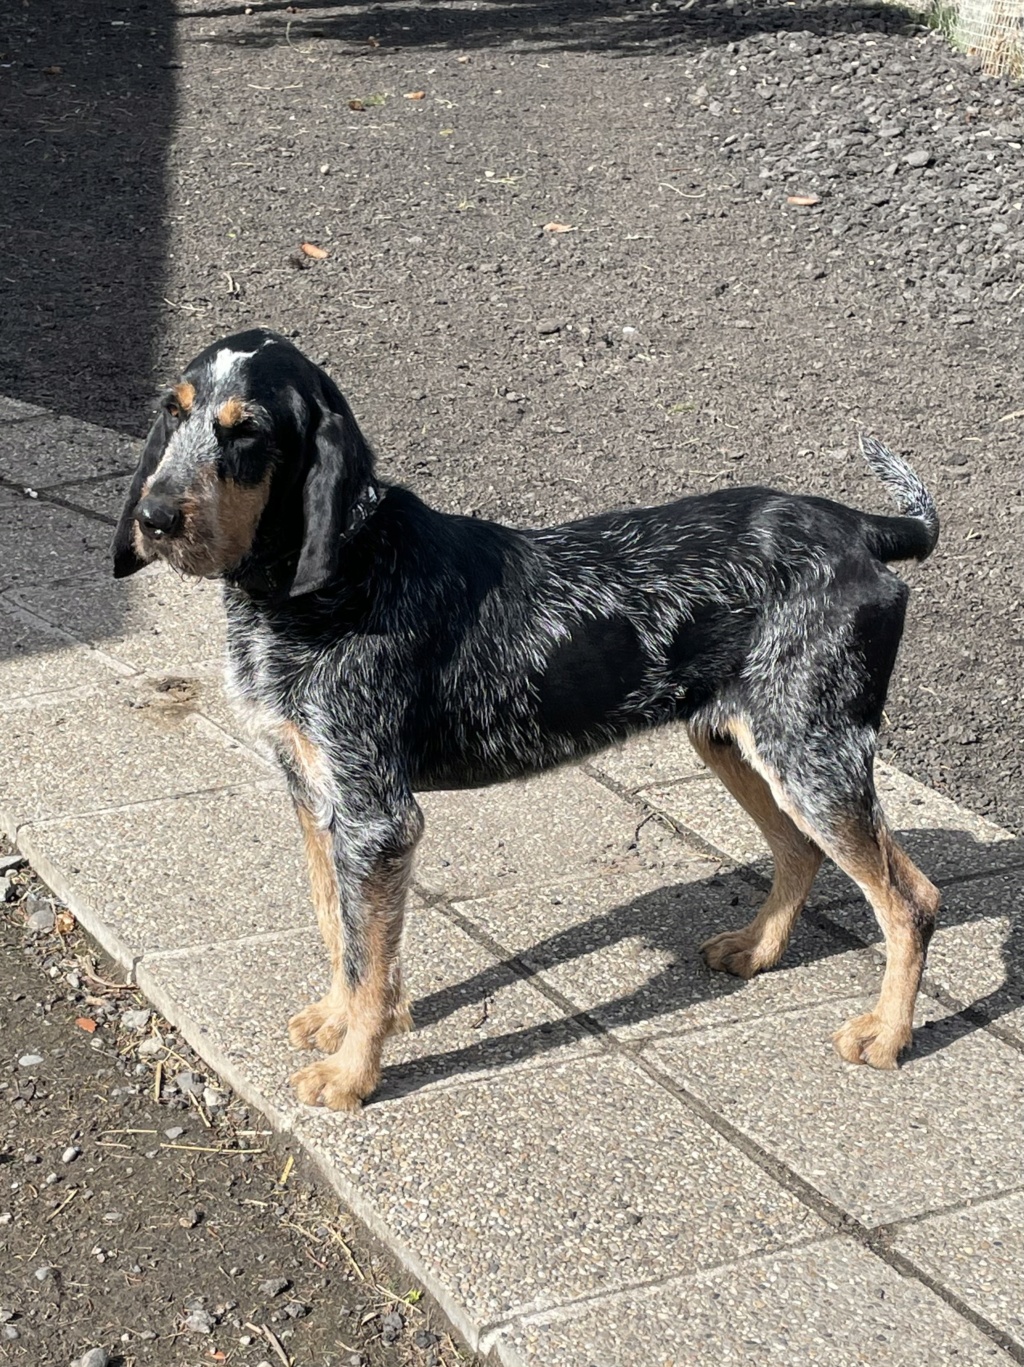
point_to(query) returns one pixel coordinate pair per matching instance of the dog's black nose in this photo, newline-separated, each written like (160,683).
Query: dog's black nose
(158,516)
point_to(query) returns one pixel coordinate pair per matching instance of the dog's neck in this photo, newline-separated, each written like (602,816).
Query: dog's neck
(267,572)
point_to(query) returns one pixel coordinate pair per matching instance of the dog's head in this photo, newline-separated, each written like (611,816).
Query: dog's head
(254,469)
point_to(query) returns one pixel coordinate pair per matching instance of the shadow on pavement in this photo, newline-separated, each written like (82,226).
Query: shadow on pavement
(661,921)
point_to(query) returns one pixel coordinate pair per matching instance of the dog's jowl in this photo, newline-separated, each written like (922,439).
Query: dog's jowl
(380,648)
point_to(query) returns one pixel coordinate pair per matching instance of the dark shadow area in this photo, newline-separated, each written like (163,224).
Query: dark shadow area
(87,111)
(674,921)
(611,26)
(87,107)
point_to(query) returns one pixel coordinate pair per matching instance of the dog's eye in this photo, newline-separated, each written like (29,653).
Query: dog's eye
(245,430)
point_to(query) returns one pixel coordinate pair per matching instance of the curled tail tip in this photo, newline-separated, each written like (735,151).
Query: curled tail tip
(905,488)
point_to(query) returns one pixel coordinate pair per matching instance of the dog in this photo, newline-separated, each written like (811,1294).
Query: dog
(379,648)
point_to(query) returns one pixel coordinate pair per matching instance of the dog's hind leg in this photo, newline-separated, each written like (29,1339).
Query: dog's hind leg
(762,943)
(832,800)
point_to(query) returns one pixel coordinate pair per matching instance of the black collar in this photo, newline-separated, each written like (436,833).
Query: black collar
(361,511)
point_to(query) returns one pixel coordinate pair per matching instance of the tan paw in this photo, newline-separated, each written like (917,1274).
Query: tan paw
(330,1084)
(732,952)
(401,1021)
(869,1039)
(319,1026)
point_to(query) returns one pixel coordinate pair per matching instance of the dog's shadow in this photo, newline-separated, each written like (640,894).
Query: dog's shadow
(983,883)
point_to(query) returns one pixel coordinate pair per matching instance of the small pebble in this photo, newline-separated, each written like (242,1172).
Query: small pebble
(187,1083)
(29,1060)
(175,1132)
(10,1332)
(153,1045)
(70,1153)
(41,922)
(95,1357)
(273,1286)
(136,1020)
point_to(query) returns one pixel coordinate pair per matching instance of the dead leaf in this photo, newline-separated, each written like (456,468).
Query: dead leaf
(373,41)
(804,201)
(462,59)
(317,253)
(86,1023)
(64,922)
(53,70)
(559,228)
(218,1355)
(357,105)
(415,94)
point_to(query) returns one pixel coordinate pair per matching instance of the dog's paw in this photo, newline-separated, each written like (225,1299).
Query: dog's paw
(330,1083)
(401,1021)
(733,952)
(319,1026)
(869,1039)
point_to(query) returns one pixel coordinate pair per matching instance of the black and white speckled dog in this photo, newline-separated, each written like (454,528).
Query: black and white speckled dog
(381,648)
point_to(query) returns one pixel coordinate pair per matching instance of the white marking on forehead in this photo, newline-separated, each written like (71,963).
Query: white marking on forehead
(227,361)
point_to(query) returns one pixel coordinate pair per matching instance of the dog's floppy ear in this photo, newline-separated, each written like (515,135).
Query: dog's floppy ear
(338,473)
(126,558)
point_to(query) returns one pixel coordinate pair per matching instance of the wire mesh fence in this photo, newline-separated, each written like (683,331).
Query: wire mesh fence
(990,31)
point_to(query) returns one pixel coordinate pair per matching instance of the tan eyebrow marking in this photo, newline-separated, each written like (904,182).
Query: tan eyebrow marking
(231,413)
(184,396)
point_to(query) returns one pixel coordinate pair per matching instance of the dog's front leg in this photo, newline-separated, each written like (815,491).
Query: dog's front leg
(364,1003)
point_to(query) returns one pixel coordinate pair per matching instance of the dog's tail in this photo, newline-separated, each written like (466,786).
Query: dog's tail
(912,535)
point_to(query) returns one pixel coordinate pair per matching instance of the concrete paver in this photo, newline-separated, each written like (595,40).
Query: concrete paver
(154,621)
(66,757)
(943,1128)
(979,1253)
(192,870)
(660,757)
(626,949)
(37,659)
(41,542)
(644,1189)
(519,834)
(473,1014)
(41,449)
(830,1303)
(944,839)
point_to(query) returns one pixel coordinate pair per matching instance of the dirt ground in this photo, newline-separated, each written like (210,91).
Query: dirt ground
(164,1225)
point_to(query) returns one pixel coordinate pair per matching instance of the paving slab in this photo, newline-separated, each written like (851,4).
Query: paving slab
(190,870)
(41,542)
(54,448)
(525,833)
(105,496)
(979,1254)
(645,1190)
(625,948)
(472,1014)
(832,1303)
(65,757)
(664,756)
(154,621)
(943,1128)
(977,952)
(38,659)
